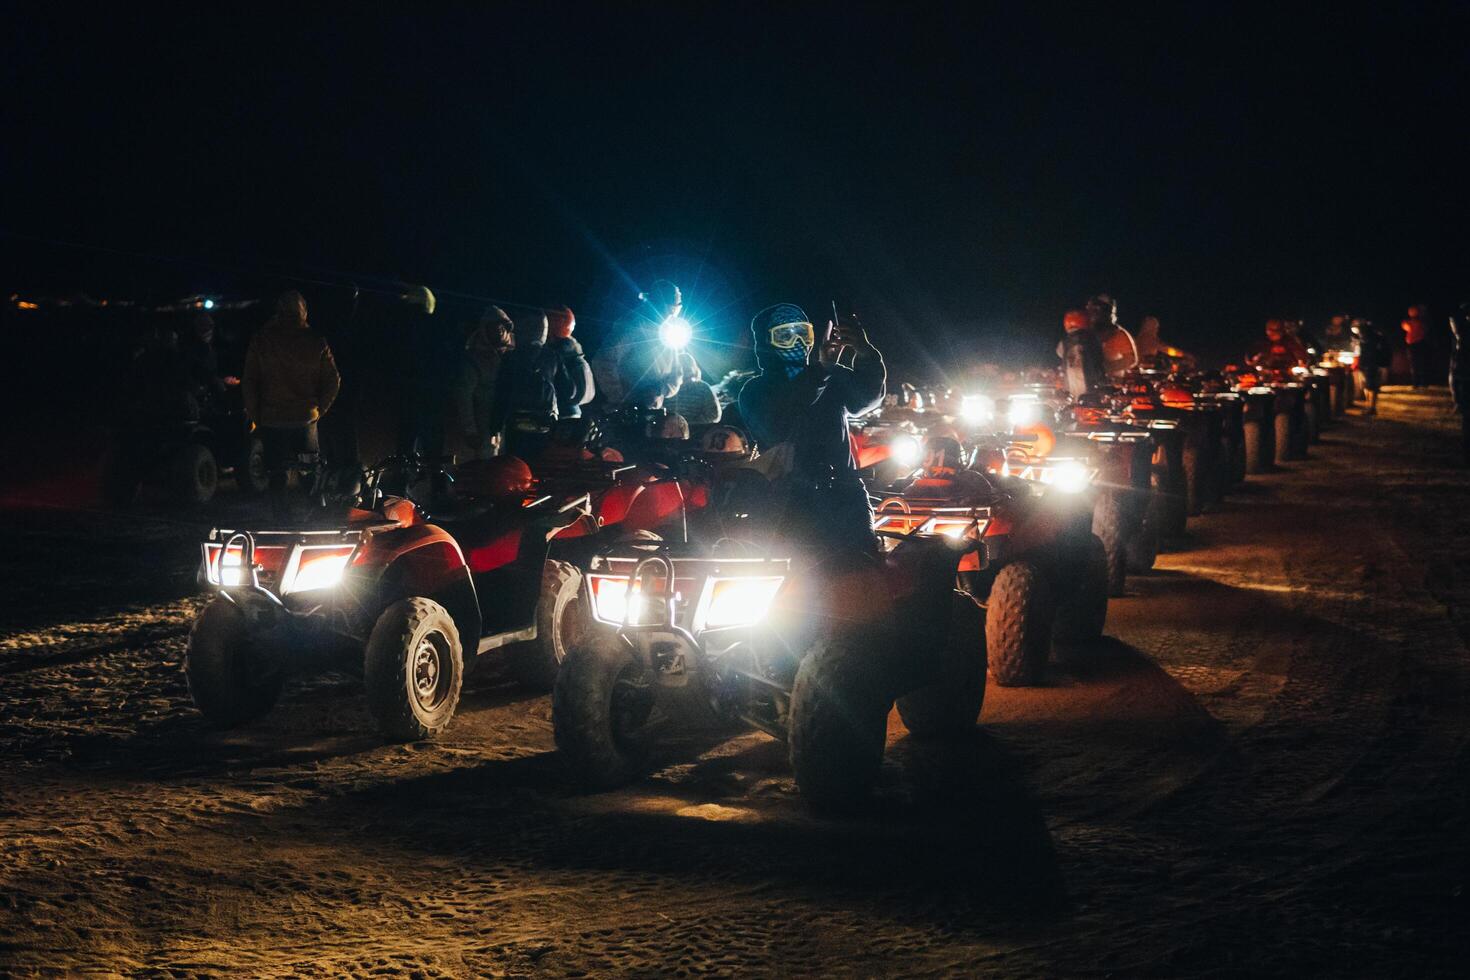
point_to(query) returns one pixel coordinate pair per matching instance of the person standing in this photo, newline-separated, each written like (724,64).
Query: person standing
(1416,335)
(524,404)
(290,382)
(473,392)
(573,380)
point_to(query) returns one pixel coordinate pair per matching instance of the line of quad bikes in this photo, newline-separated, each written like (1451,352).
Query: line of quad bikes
(636,577)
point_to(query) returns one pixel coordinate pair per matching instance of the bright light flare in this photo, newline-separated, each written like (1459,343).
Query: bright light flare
(905,450)
(741,601)
(675,332)
(1024,412)
(610,600)
(209,304)
(1347,358)
(1071,477)
(977,409)
(318,568)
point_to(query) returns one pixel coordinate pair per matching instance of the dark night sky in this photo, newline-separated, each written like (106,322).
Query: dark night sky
(957,172)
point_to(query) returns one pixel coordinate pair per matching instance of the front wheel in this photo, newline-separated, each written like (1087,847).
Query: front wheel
(950,705)
(561,621)
(601,712)
(1018,624)
(1143,546)
(839,723)
(193,475)
(228,679)
(251,474)
(1255,448)
(413,670)
(1110,524)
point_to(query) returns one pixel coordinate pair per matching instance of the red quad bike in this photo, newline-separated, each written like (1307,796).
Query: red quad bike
(638,487)
(1033,563)
(409,598)
(1128,512)
(1202,429)
(741,633)
(1282,427)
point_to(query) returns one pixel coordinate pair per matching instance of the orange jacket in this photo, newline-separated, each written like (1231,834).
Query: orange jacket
(1414,330)
(290,377)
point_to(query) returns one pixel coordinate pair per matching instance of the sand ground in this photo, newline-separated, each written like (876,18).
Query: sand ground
(1263,769)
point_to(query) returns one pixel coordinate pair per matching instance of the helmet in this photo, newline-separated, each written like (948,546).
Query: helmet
(1275,326)
(563,321)
(942,453)
(501,478)
(723,439)
(1074,320)
(1414,311)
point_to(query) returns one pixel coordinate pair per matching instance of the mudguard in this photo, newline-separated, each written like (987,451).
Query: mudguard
(423,560)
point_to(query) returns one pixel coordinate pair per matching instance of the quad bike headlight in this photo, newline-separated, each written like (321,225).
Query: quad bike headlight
(316,567)
(611,601)
(223,567)
(1347,358)
(740,601)
(1024,412)
(905,450)
(1070,477)
(977,409)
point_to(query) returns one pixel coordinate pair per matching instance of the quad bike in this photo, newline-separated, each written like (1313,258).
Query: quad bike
(1033,565)
(1289,415)
(640,486)
(407,598)
(185,457)
(815,657)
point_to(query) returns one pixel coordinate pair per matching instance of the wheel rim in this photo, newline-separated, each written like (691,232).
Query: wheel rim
(429,671)
(632,704)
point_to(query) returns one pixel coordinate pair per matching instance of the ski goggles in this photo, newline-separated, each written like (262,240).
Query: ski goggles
(785,336)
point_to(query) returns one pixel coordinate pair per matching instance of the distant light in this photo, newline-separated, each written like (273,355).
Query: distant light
(209,304)
(905,450)
(27,305)
(1025,412)
(977,409)
(675,332)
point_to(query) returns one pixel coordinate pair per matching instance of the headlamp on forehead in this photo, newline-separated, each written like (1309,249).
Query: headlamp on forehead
(785,336)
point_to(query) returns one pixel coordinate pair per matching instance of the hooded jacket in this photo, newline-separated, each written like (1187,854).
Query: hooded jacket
(812,408)
(290,378)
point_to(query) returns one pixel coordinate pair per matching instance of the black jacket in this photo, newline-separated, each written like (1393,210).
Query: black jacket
(573,380)
(812,410)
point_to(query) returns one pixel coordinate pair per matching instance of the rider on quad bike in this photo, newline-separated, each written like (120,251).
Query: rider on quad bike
(794,632)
